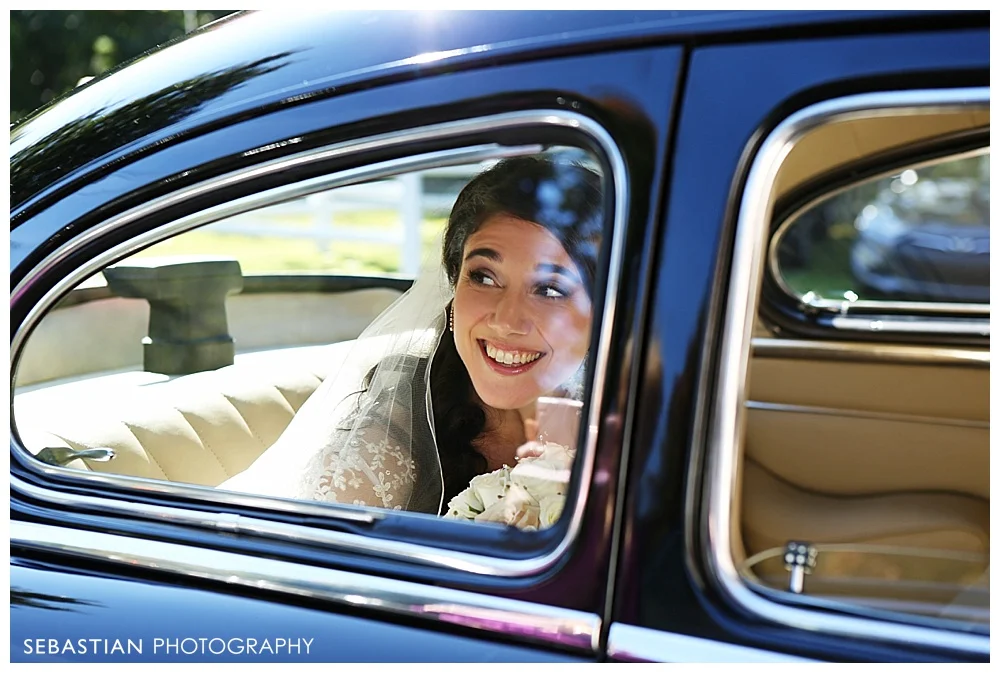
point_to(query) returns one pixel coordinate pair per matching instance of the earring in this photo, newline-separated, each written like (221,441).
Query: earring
(451,318)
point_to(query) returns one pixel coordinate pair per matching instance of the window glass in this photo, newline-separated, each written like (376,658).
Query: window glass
(863,480)
(374,228)
(919,235)
(284,352)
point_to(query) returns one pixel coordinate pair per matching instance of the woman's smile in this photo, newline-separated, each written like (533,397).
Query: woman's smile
(508,360)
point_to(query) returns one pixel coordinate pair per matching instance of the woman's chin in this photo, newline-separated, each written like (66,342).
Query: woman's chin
(503,400)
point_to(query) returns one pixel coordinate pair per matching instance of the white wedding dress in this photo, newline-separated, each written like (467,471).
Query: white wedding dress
(361,439)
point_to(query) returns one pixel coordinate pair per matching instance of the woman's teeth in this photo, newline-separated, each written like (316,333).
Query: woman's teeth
(511,357)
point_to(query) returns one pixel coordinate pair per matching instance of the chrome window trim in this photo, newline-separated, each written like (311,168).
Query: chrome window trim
(847,351)
(474,563)
(725,440)
(897,308)
(637,643)
(903,325)
(754,405)
(534,621)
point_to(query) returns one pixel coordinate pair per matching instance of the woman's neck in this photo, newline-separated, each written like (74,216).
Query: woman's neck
(503,434)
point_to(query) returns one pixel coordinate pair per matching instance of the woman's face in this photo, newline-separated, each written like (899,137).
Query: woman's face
(522,313)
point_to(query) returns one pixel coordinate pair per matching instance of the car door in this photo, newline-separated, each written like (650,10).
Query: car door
(730,360)
(113,564)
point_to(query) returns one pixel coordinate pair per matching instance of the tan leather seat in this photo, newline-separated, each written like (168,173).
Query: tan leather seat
(198,429)
(921,553)
(775,512)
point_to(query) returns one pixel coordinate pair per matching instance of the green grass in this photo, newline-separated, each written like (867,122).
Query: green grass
(828,271)
(264,254)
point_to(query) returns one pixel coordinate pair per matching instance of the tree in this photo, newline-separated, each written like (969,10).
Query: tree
(51,51)
(101,132)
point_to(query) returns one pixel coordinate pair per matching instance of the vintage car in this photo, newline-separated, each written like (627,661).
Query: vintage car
(774,464)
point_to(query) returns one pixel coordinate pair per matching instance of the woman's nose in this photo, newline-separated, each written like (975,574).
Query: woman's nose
(510,316)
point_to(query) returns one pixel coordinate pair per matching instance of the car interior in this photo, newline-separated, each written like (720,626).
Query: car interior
(876,456)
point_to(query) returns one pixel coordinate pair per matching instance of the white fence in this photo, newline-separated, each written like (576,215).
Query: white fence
(406,194)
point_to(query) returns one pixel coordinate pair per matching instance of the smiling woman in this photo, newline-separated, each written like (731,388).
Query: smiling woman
(443,386)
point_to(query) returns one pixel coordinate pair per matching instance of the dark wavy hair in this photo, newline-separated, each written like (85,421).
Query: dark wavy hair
(563,197)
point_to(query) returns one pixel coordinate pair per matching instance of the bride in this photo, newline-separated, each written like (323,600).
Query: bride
(443,385)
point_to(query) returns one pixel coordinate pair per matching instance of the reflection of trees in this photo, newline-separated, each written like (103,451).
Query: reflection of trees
(818,251)
(29,599)
(52,50)
(92,136)
(813,226)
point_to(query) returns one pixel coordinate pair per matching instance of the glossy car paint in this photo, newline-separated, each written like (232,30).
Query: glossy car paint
(262,88)
(65,603)
(657,585)
(245,64)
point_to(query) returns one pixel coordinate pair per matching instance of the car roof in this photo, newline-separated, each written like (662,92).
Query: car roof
(251,62)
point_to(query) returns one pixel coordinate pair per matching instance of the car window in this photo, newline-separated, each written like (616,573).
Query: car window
(347,346)
(920,234)
(858,486)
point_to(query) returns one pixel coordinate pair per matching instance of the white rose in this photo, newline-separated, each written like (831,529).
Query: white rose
(492,486)
(465,505)
(516,508)
(542,476)
(558,453)
(549,509)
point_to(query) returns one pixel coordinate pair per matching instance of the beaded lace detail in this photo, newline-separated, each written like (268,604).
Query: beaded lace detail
(373,473)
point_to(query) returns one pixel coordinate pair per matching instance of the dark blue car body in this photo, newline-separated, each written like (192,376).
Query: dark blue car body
(683,94)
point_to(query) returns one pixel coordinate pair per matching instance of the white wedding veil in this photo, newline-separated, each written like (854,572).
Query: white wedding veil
(366,436)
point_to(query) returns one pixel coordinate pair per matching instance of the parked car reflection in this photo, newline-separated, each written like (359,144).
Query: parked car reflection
(926,239)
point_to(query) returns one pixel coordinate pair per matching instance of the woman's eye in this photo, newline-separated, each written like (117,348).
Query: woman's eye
(481,278)
(552,291)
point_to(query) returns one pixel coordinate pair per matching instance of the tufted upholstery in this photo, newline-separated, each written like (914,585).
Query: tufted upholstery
(199,429)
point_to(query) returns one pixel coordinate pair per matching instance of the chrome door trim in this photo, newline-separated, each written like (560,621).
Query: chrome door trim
(904,325)
(479,564)
(848,351)
(536,622)
(637,643)
(754,405)
(725,433)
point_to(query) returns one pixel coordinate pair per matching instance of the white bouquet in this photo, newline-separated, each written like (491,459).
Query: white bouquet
(529,495)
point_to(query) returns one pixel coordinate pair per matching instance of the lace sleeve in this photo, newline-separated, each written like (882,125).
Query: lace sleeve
(371,461)
(370,469)
(360,451)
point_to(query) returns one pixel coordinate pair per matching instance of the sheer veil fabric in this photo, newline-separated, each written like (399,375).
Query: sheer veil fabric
(366,436)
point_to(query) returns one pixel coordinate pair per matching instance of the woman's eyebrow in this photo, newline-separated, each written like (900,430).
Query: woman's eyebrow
(557,269)
(491,254)
(488,253)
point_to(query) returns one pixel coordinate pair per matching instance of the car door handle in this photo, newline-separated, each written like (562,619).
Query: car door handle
(60,455)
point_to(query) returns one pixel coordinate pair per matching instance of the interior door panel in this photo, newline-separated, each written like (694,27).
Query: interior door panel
(883,466)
